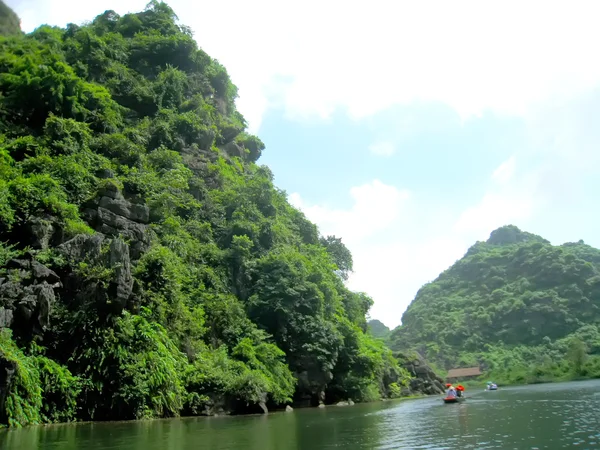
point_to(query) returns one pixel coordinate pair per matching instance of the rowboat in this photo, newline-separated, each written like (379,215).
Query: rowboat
(453,399)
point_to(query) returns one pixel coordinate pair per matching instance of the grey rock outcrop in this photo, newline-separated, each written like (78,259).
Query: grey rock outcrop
(116,288)
(111,214)
(43,231)
(217,406)
(348,402)
(312,384)
(7,372)
(425,380)
(27,295)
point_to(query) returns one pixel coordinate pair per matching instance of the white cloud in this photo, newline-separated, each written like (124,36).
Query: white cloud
(495,210)
(376,207)
(388,263)
(505,171)
(365,57)
(382,148)
(508,200)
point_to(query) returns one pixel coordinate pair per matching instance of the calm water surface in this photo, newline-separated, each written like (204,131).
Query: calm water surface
(565,415)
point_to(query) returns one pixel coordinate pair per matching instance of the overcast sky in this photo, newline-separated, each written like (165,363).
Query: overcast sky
(410,129)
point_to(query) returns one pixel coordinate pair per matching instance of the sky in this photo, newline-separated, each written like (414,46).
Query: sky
(409,129)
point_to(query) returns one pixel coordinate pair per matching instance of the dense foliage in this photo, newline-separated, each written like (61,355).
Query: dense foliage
(522,308)
(150,267)
(9,22)
(378,329)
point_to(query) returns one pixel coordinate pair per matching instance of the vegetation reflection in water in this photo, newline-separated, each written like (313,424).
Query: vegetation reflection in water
(543,416)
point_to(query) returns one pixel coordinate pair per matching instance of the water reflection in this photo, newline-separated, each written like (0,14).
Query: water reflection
(548,416)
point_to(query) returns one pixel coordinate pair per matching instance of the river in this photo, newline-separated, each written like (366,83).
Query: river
(561,415)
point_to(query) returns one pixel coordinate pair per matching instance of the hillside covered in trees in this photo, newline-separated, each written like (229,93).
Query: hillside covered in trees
(378,329)
(522,308)
(10,24)
(148,266)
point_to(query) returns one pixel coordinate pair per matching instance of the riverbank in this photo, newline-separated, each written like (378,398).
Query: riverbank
(503,382)
(271,412)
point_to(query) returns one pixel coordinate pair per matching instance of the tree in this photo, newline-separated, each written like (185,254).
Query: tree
(339,253)
(140,242)
(577,354)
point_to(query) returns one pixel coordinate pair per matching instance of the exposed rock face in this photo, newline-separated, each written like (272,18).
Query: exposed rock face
(26,299)
(233,149)
(217,406)
(7,372)
(349,402)
(111,214)
(27,295)
(425,380)
(116,287)
(311,387)
(43,232)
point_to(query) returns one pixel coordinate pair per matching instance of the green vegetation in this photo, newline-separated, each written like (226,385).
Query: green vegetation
(378,329)
(523,309)
(10,23)
(148,266)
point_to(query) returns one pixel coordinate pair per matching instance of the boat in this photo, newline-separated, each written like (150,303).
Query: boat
(453,399)
(491,386)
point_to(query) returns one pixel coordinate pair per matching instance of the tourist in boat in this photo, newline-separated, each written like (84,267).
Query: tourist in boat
(451,393)
(459,390)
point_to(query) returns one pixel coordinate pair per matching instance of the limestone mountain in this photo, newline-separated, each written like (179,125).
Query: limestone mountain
(515,300)
(10,24)
(378,329)
(148,265)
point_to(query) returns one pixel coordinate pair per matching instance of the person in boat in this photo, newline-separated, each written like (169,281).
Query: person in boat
(459,390)
(451,392)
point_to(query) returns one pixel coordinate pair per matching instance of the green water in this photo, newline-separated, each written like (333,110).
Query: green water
(565,415)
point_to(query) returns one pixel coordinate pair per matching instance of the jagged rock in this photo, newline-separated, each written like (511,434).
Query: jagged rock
(110,189)
(105,173)
(119,289)
(113,215)
(121,207)
(288,408)
(27,295)
(6,318)
(121,285)
(217,406)
(342,403)
(321,405)
(41,232)
(7,372)
(35,306)
(350,402)
(425,380)
(83,247)
(311,386)
(205,140)
(233,149)
(41,272)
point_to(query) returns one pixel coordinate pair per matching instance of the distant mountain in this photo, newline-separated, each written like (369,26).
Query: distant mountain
(378,329)
(514,300)
(9,21)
